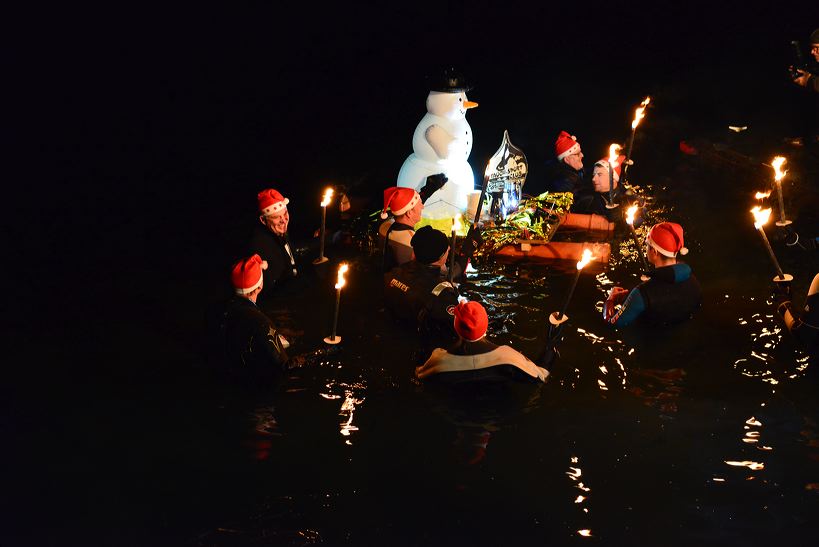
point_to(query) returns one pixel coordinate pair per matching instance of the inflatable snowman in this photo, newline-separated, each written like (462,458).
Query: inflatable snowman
(441,144)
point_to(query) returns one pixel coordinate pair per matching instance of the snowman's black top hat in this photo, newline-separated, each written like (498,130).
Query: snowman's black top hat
(448,81)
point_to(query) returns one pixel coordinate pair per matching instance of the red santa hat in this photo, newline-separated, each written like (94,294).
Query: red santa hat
(667,239)
(399,200)
(565,145)
(247,274)
(471,321)
(618,165)
(271,202)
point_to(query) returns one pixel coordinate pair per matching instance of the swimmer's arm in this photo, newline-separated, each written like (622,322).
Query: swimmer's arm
(272,348)
(630,310)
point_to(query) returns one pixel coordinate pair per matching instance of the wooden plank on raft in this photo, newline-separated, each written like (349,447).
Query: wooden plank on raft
(578,221)
(554,251)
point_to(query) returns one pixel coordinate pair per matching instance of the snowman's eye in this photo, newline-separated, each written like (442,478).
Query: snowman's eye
(461,99)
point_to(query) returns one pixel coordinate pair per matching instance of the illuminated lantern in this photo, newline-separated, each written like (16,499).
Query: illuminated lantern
(442,143)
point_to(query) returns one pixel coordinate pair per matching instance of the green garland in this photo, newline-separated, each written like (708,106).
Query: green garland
(536,218)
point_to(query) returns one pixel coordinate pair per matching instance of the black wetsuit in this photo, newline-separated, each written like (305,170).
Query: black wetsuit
(560,177)
(806,327)
(587,201)
(670,296)
(277,251)
(251,344)
(415,294)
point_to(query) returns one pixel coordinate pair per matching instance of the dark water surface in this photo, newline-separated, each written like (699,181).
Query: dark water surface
(117,432)
(702,433)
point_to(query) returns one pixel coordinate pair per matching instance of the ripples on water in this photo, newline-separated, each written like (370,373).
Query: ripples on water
(692,419)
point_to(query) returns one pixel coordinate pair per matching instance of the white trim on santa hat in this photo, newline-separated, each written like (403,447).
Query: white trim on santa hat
(412,203)
(258,284)
(659,249)
(605,163)
(683,250)
(573,150)
(398,212)
(247,290)
(275,207)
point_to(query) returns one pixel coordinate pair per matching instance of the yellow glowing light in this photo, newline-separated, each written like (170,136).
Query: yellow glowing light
(761,216)
(614,151)
(584,533)
(639,113)
(342,269)
(763,195)
(587,257)
(456,223)
(753,466)
(776,164)
(630,212)
(328,195)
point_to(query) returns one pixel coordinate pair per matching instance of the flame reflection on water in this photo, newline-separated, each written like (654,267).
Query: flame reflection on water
(616,377)
(753,466)
(771,356)
(348,406)
(575,473)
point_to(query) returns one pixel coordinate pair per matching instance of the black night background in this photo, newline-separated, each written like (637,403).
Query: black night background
(143,133)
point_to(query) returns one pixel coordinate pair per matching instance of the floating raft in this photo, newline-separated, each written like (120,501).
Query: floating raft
(591,223)
(539,251)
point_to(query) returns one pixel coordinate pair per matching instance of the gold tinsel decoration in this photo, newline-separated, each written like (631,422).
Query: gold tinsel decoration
(536,218)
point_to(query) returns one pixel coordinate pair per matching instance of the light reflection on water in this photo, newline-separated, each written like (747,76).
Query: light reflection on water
(771,355)
(610,385)
(351,398)
(575,474)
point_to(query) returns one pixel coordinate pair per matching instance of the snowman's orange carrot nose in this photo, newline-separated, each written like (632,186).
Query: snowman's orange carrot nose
(470,104)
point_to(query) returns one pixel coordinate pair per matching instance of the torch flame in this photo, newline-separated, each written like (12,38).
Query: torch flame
(776,164)
(761,216)
(587,257)
(614,151)
(639,113)
(328,195)
(630,214)
(762,195)
(456,223)
(342,269)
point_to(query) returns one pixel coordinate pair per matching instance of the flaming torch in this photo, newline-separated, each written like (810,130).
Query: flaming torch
(325,201)
(614,152)
(778,176)
(557,318)
(761,217)
(630,212)
(639,114)
(342,269)
(456,227)
(762,195)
